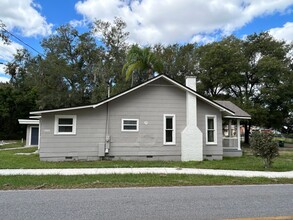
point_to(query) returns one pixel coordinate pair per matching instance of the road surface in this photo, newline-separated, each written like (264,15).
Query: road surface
(194,202)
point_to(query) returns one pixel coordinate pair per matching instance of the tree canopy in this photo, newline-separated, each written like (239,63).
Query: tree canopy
(141,64)
(77,68)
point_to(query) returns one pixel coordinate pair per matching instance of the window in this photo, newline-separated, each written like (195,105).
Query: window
(65,124)
(130,125)
(211,129)
(169,129)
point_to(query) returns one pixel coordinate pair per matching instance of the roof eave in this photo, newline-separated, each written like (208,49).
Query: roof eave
(201,97)
(128,91)
(221,108)
(60,110)
(238,117)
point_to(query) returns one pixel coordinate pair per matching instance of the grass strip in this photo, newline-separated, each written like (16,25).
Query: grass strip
(127,180)
(9,160)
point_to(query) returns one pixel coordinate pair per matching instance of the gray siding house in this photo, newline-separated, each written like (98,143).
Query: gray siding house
(160,119)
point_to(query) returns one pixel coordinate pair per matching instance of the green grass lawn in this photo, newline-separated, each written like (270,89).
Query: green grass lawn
(285,140)
(126,180)
(8,160)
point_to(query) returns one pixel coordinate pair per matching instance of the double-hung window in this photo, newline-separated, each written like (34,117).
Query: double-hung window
(65,124)
(169,129)
(211,129)
(130,125)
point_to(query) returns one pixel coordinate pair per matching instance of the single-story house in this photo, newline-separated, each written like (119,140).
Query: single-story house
(159,119)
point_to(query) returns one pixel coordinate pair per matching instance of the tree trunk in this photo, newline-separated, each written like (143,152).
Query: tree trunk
(132,80)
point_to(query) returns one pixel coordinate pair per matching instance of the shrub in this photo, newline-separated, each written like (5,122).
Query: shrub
(263,146)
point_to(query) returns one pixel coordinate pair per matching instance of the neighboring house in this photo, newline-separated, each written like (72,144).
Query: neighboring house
(32,131)
(160,119)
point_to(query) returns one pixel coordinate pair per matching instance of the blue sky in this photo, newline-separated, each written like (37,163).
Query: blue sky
(148,21)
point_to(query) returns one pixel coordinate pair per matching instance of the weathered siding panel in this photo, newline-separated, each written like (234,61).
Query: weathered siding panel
(90,131)
(210,151)
(148,104)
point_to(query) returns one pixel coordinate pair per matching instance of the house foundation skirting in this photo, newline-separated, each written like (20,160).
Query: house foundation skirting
(232,153)
(213,157)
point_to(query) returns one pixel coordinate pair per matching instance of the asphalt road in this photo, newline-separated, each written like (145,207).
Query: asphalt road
(198,202)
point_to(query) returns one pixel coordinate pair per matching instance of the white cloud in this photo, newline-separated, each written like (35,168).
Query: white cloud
(283,33)
(78,23)
(2,69)
(24,16)
(6,54)
(205,39)
(153,21)
(8,50)
(3,76)
(4,79)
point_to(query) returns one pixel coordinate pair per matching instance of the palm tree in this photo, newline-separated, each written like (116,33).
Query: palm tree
(141,64)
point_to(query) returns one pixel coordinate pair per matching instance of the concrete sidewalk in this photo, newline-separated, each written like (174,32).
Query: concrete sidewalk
(17,148)
(191,171)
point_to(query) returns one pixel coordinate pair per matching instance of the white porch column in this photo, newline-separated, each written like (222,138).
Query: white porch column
(39,141)
(229,128)
(238,134)
(191,136)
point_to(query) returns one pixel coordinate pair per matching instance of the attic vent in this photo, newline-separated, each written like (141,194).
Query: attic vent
(149,156)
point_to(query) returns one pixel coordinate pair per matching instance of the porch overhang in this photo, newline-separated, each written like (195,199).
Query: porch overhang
(232,143)
(28,122)
(238,112)
(238,117)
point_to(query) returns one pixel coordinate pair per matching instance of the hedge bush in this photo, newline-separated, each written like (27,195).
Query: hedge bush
(263,146)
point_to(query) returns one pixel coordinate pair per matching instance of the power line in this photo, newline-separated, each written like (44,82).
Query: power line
(23,42)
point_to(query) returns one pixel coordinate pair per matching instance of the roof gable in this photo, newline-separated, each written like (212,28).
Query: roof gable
(179,85)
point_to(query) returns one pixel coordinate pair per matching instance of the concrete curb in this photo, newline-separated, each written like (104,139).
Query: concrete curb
(158,170)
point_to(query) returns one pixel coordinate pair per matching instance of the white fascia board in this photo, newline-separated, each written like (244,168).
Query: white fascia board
(35,117)
(28,122)
(128,91)
(61,109)
(173,82)
(95,105)
(238,117)
(133,89)
(201,97)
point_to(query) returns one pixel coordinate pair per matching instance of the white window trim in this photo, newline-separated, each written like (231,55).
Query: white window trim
(174,129)
(215,132)
(129,119)
(57,125)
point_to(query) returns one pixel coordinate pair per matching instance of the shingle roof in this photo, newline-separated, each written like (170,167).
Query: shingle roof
(239,113)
